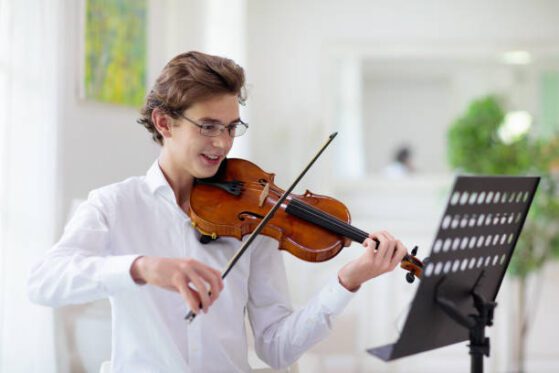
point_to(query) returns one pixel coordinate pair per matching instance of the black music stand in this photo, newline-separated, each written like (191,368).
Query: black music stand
(469,257)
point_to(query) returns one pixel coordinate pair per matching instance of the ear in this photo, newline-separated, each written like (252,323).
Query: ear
(162,122)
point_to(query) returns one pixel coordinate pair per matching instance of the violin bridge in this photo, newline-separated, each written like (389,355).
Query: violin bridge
(264,194)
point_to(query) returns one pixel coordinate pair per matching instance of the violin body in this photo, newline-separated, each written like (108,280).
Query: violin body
(234,202)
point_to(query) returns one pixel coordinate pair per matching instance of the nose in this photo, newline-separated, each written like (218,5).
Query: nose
(223,140)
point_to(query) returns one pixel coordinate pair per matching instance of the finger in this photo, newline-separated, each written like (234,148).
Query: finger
(218,273)
(389,245)
(208,273)
(384,234)
(389,235)
(200,288)
(369,243)
(385,247)
(375,242)
(377,235)
(197,300)
(371,248)
(213,278)
(399,254)
(191,298)
(390,250)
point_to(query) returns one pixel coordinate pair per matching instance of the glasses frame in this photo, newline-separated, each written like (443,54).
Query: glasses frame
(222,126)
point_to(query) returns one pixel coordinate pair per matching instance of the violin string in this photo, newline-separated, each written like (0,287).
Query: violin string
(314,214)
(340,225)
(343,226)
(333,219)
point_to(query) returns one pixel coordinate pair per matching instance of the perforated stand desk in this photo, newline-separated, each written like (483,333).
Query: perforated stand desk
(468,260)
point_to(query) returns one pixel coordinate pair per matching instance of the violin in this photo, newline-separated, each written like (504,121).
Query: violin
(312,227)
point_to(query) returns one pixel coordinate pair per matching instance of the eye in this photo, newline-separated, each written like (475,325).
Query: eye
(210,127)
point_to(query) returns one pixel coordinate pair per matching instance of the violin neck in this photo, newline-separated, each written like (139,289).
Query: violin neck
(332,223)
(324,220)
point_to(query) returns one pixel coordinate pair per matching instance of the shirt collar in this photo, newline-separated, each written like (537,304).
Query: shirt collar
(155,178)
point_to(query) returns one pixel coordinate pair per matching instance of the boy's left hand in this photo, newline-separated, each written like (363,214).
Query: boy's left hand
(374,261)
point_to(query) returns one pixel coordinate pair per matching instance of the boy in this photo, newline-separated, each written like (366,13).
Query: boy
(133,243)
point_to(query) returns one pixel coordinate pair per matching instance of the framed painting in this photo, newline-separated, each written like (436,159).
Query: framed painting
(114,51)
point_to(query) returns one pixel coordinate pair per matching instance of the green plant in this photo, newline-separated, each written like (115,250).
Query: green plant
(475,146)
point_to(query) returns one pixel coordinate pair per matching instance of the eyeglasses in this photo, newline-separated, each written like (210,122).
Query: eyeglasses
(213,129)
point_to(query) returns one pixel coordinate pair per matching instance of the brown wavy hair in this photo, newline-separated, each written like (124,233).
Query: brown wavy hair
(189,78)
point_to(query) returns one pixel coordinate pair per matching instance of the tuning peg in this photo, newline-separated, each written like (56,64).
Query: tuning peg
(410,278)
(414,251)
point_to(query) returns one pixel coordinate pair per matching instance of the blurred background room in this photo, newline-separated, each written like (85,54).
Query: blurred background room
(400,81)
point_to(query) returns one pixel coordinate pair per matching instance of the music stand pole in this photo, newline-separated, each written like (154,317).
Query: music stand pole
(476,324)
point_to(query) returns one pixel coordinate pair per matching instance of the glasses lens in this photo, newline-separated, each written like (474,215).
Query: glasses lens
(216,129)
(237,129)
(211,129)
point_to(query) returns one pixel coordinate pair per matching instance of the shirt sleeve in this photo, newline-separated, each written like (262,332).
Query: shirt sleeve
(282,335)
(80,268)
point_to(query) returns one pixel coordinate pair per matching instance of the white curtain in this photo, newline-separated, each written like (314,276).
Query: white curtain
(28,130)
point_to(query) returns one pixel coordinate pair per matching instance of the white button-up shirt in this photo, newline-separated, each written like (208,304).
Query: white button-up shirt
(140,216)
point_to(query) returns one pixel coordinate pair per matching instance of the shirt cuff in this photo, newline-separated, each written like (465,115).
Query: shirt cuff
(115,274)
(334,297)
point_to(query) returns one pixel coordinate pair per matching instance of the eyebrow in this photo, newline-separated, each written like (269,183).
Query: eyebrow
(209,119)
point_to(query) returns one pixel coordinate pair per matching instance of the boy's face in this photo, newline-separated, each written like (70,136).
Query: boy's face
(194,153)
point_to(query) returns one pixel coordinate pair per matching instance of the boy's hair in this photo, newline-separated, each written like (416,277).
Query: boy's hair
(189,78)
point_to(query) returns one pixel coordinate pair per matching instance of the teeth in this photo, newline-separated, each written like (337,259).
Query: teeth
(212,156)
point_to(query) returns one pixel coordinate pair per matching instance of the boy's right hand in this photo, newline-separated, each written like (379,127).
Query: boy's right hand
(198,283)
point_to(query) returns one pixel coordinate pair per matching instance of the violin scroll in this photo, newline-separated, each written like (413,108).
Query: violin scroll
(413,265)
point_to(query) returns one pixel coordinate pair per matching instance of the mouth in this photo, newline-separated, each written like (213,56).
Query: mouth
(211,159)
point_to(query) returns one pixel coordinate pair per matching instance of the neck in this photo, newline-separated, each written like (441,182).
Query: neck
(179,180)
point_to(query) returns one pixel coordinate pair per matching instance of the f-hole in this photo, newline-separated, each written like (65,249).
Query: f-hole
(244,214)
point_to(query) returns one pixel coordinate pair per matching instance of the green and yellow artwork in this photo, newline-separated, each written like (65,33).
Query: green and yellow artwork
(115,51)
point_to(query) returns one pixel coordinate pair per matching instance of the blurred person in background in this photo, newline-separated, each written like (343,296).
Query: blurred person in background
(401,165)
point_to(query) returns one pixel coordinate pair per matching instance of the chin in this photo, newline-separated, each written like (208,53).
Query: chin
(204,173)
